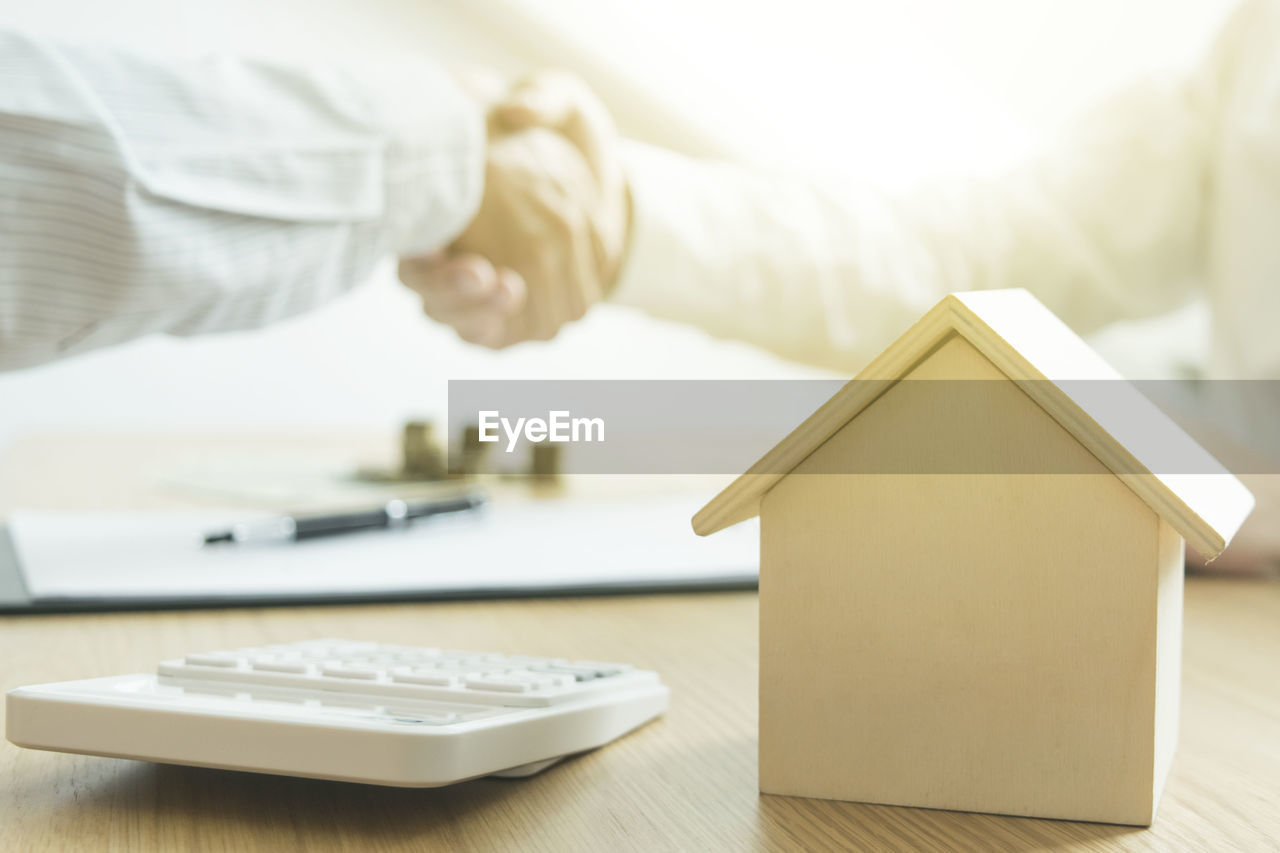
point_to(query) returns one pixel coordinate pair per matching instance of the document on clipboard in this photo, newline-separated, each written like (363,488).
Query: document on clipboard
(60,560)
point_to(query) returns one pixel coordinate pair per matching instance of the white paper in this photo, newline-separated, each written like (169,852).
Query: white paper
(519,546)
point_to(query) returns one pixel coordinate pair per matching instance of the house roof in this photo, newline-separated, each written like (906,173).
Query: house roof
(1029,344)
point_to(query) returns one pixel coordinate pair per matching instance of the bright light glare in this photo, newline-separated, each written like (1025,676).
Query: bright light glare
(890,92)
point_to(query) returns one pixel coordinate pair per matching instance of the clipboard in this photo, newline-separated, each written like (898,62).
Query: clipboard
(66,561)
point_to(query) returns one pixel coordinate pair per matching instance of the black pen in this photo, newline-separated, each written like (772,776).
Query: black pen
(394,513)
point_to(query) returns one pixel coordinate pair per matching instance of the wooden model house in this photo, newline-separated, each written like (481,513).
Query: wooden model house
(991,620)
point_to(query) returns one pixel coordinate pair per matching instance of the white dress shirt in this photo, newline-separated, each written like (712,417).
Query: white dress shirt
(1168,191)
(184,196)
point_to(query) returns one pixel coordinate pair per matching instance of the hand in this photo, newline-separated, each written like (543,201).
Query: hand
(551,231)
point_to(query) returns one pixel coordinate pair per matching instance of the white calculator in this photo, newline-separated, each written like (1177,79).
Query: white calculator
(350,711)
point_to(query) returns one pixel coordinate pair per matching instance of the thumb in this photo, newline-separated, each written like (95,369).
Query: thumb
(532,105)
(545,99)
(561,102)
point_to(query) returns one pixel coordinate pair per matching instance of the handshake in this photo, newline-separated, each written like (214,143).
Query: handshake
(549,237)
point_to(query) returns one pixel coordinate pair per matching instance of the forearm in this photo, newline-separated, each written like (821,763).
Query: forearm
(189,196)
(1108,224)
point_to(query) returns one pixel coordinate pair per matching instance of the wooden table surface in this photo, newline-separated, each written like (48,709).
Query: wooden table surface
(684,782)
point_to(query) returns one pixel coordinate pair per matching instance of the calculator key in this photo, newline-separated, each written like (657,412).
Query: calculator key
(352,670)
(579,673)
(429,677)
(297,666)
(602,670)
(468,667)
(499,684)
(219,659)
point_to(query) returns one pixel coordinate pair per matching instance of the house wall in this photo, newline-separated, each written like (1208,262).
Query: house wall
(980,642)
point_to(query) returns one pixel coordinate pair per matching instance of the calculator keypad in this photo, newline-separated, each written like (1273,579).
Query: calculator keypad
(407,671)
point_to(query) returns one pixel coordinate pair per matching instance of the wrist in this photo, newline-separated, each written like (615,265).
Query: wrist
(619,259)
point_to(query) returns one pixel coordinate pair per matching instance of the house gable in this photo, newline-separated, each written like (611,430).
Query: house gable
(1031,346)
(953,413)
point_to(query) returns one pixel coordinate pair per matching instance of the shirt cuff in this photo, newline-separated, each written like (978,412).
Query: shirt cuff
(434,160)
(672,265)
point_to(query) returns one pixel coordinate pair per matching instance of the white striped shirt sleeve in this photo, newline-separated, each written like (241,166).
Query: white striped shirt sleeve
(144,195)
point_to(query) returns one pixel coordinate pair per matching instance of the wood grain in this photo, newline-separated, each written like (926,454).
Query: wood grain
(983,642)
(685,782)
